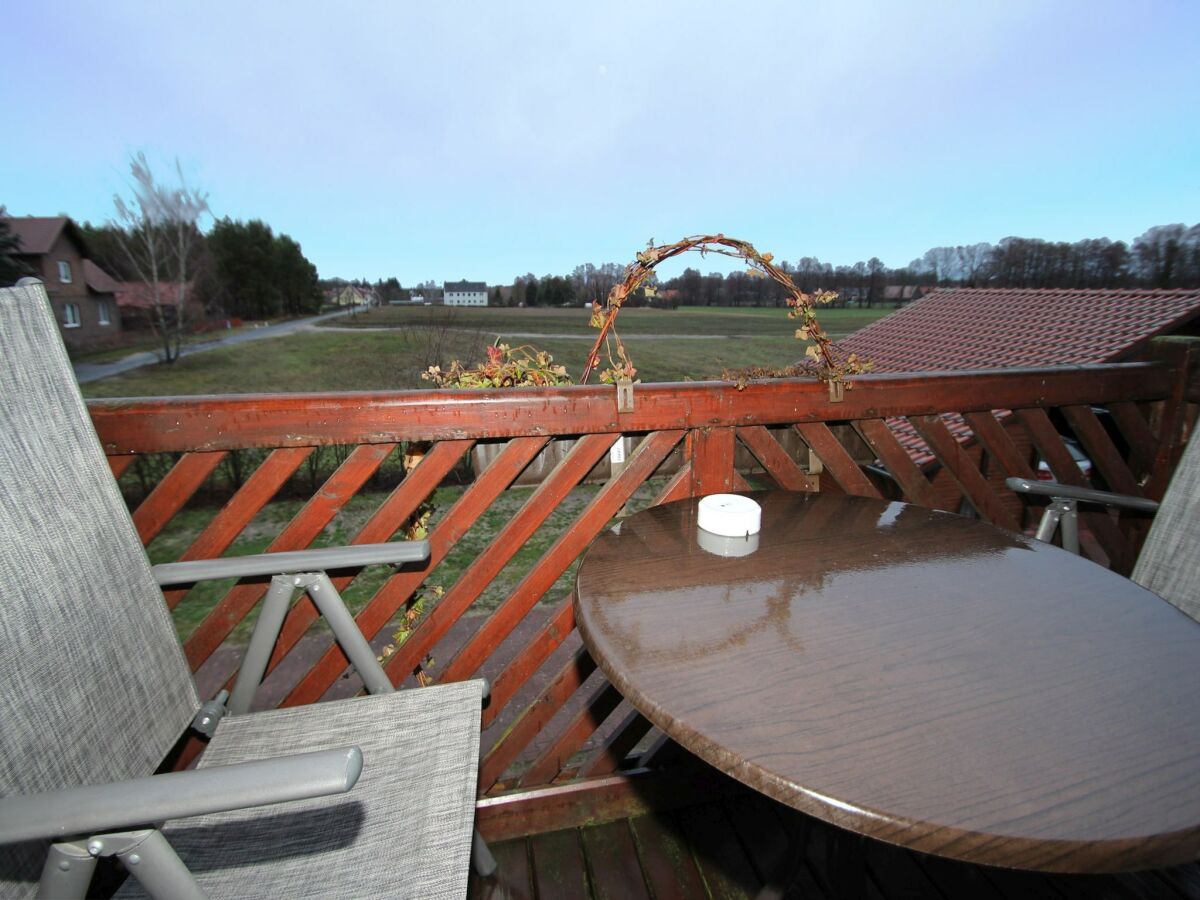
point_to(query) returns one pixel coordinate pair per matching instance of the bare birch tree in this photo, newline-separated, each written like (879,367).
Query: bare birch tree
(160,235)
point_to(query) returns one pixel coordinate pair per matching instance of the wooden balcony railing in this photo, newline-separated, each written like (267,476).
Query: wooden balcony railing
(547,699)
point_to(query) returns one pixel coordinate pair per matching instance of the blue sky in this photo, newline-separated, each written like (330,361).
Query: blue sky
(485,140)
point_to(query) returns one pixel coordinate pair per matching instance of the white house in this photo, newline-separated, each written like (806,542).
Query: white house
(465,293)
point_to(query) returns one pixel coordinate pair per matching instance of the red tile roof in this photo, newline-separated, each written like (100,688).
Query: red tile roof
(140,294)
(994,328)
(986,328)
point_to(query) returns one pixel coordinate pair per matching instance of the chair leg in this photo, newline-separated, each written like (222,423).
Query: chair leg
(349,635)
(262,642)
(159,870)
(482,860)
(146,854)
(67,872)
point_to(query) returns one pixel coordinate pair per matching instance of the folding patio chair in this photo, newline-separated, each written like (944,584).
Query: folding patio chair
(97,692)
(1169,563)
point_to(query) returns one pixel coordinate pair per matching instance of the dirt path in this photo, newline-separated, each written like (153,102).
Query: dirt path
(544,334)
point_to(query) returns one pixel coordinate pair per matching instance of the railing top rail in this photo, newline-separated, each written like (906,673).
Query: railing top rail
(207,423)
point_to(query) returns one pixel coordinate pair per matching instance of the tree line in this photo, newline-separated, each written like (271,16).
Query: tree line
(237,269)
(1165,256)
(155,239)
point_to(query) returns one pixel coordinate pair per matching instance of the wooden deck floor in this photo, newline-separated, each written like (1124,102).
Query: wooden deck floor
(732,847)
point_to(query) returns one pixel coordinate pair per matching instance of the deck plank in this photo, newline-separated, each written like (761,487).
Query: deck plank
(956,879)
(1019,885)
(1184,879)
(1100,887)
(511,880)
(559,871)
(666,860)
(613,862)
(730,847)
(765,829)
(897,874)
(727,871)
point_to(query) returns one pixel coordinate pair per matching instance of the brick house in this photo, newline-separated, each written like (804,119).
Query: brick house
(83,295)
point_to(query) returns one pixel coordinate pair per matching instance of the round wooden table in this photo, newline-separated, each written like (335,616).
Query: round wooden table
(912,676)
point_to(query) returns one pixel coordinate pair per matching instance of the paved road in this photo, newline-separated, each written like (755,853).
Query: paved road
(85,372)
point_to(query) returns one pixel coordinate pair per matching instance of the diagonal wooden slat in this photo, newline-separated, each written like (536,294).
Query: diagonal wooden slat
(774,459)
(1143,446)
(393,514)
(678,488)
(1050,445)
(170,494)
(307,524)
(605,698)
(530,658)
(999,444)
(841,465)
(1101,450)
(895,458)
(617,746)
(541,503)
(599,512)
(461,516)
(417,485)
(242,507)
(458,520)
(534,717)
(962,468)
(119,464)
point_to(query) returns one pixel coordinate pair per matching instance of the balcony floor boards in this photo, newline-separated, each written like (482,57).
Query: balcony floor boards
(729,848)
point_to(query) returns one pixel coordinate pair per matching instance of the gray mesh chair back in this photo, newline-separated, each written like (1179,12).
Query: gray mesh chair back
(95,684)
(1169,563)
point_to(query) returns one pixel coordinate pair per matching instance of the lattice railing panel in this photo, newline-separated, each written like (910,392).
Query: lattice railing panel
(363,465)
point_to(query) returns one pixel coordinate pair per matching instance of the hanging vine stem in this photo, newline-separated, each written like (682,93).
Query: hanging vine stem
(800,306)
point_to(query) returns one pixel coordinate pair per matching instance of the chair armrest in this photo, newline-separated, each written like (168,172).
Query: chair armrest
(317,560)
(1083,495)
(140,801)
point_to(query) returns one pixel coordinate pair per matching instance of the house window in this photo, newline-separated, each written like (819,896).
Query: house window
(64,271)
(71,315)
(103,308)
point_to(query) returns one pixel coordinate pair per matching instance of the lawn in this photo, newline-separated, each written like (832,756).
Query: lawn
(336,359)
(689,320)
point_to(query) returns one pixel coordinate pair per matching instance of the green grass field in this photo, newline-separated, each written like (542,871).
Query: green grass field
(340,359)
(689,320)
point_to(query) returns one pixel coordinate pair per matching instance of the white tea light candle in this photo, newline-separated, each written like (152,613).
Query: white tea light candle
(730,515)
(720,545)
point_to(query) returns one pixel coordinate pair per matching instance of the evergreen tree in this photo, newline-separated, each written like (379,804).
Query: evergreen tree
(11,268)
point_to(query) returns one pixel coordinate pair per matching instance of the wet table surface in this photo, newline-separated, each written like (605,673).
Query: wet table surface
(913,676)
